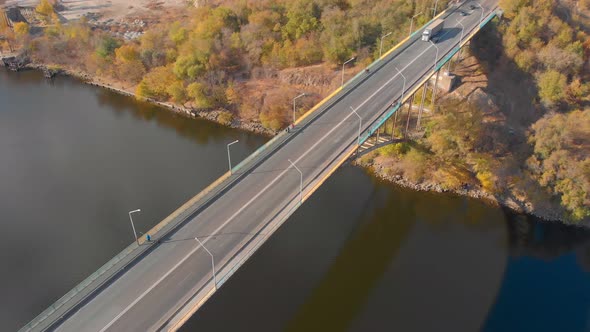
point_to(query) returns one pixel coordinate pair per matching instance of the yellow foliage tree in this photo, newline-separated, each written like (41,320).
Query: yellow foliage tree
(21,29)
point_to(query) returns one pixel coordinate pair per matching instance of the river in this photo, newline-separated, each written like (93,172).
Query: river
(361,255)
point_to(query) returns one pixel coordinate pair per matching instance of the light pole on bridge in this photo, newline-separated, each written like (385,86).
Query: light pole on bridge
(412,22)
(347,61)
(381,46)
(436,58)
(212,261)
(360,125)
(229,156)
(300,181)
(481,19)
(462,30)
(404,88)
(294,99)
(133,226)
(435,7)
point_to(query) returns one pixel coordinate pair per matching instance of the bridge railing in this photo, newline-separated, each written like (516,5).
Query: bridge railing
(396,104)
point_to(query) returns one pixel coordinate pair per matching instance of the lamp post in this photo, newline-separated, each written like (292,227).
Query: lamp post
(300,181)
(435,7)
(412,22)
(462,29)
(404,88)
(301,95)
(133,226)
(436,58)
(347,61)
(481,19)
(358,142)
(212,261)
(381,47)
(229,156)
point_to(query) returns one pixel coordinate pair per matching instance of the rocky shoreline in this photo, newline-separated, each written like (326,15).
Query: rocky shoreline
(257,128)
(213,115)
(473,192)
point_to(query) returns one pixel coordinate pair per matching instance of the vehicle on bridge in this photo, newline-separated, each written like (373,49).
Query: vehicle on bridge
(431,30)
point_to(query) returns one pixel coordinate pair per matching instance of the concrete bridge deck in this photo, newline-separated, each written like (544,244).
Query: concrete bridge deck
(156,286)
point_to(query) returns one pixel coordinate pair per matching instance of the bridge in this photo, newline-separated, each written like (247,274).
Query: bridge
(158,285)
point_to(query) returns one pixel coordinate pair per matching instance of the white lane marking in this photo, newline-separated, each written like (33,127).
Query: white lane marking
(149,289)
(253,199)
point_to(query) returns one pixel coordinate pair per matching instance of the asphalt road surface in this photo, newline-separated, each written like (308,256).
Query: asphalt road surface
(145,296)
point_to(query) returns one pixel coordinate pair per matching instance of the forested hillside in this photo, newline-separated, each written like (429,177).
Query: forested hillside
(532,149)
(549,41)
(205,58)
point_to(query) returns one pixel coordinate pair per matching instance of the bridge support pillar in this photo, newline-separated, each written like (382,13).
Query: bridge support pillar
(421,108)
(434,88)
(409,114)
(394,125)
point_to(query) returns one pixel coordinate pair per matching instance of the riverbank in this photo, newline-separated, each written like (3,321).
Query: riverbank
(216,116)
(499,200)
(376,169)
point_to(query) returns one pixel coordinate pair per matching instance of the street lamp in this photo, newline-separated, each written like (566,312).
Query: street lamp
(436,58)
(412,22)
(347,61)
(133,226)
(404,88)
(229,156)
(462,29)
(212,261)
(301,95)
(381,47)
(358,142)
(435,7)
(300,182)
(481,20)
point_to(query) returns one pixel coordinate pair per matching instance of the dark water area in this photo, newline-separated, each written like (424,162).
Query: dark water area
(360,255)
(363,255)
(75,160)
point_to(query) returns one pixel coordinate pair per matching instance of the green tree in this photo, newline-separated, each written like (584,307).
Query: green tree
(302,18)
(200,95)
(107,46)
(552,86)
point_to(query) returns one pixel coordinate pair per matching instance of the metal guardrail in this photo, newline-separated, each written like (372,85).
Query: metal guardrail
(397,105)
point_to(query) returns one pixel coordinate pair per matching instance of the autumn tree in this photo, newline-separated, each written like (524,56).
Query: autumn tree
(45,10)
(21,30)
(561,159)
(552,86)
(156,83)
(128,64)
